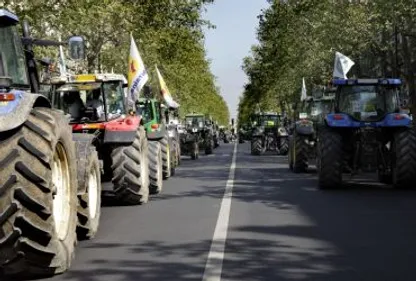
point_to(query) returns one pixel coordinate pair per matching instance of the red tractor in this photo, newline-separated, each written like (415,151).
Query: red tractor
(98,107)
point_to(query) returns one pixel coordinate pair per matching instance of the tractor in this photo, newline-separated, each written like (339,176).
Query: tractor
(47,197)
(152,112)
(202,125)
(189,136)
(367,133)
(302,142)
(268,134)
(172,119)
(98,108)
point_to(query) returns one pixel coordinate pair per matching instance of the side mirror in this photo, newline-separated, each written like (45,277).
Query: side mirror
(76,46)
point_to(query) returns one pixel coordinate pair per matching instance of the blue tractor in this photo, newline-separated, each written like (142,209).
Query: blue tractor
(367,133)
(41,179)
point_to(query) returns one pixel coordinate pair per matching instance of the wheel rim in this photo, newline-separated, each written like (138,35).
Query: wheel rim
(92,193)
(61,199)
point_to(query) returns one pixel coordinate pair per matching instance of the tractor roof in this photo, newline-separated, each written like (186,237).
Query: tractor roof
(7,17)
(375,81)
(86,78)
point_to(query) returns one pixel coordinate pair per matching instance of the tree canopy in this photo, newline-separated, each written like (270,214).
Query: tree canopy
(168,33)
(299,38)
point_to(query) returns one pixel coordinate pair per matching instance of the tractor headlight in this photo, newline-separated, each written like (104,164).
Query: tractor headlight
(194,130)
(282,131)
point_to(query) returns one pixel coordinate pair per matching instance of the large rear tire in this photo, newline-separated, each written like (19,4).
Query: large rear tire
(404,159)
(38,196)
(209,145)
(300,154)
(89,179)
(330,159)
(284,146)
(155,167)
(131,171)
(256,146)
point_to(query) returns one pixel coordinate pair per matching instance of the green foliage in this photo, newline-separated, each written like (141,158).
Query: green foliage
(299,38)
(168,33)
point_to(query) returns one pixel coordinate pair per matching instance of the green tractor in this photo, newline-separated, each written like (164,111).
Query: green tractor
(303,140)
(161,149)
(203,126)
(268,134)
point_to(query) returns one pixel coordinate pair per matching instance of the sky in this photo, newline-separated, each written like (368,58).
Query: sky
(236,24)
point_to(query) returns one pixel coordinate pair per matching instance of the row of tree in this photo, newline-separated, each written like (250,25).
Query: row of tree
(169,33)
(298,38)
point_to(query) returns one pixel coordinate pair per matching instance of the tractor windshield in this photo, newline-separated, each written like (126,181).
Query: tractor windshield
(368,102)
(316,108)
(145,110)
(268,120)
(195,121)
(86,100)
(12,59)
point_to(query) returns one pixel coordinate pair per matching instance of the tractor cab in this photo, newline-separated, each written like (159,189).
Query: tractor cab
(13,73)
(197,120)
(367,102)
(90,98)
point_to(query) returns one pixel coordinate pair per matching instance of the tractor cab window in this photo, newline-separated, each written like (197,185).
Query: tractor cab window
(81,101)
(12,59)
(367,103)
(145,110)
(197,121)
(114,93)
(268,120)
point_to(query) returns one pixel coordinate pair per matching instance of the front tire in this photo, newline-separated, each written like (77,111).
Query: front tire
(166,156)
(300,154)
(284,146)
(38,198)
(155,167)
(256,146)
(131,171)
(89,203)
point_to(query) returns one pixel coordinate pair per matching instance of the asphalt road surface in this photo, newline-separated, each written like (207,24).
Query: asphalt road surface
(253,220)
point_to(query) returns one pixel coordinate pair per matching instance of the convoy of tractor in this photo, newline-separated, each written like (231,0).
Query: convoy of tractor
(60,140)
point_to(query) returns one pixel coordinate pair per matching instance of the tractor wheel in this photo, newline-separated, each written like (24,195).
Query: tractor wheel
(330,159)
(131,171)
(300,154)
(89,179)
(209,146)
(38,196)
(195,151)
(256,146)
(404,159)
(284,146)
(155,167)
(166,156)
(290,154)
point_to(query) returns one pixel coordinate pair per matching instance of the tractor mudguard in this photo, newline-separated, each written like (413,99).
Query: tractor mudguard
(87,141)
(156,135)
(122,130)
(14,113)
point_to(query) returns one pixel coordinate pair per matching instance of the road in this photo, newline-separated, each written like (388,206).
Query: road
(280,227)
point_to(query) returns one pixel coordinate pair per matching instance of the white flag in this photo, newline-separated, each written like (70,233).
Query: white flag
(342,65)
(62,63)
(303,96)
(138,75)
(165,91)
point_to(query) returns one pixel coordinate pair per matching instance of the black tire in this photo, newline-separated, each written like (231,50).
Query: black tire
(404,159)
(209,145)
(330,159)
(131,171)
(195,151)
(256,146)
(290,154)
(155,168)
(284,146)
(300,154)
(165,144)
(178,152)
(88,175)
(29,244)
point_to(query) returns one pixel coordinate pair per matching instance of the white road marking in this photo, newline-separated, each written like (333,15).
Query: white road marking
(213,267)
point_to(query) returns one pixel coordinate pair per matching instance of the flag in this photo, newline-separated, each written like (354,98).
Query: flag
(165,91)
(342,65)
(138,75)
(303,95)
